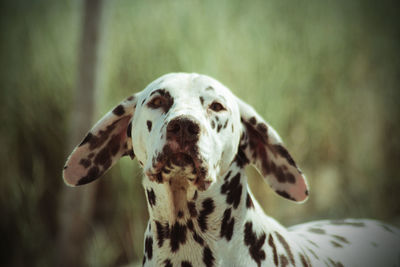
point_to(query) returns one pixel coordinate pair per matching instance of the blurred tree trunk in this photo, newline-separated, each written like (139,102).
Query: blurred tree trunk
(76,204)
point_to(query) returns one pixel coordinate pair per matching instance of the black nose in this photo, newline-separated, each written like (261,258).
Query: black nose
(183,130)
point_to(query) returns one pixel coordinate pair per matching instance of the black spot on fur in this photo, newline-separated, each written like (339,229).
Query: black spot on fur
(190,225)
(178,236)
(227,225)
(167,263)
(180,214)
(219,127)
(87,138)
(213,124)
(253,120)
(241,158)
(103,135)
(192,209)
(255,244)
(249,202)
(118,110)
(129,130)
(233,190)
(201,100)
(208,208)
(262,127)
(198,238)
(286,246)
(162,233)
(148,247)
(130,98)
(186,264)
(281,175)
(208,257)
(285,195)
(284,153)
(209,88)
(151,197)
(144,260)
(103,158)
(149,124)
(92,175)
(271,243)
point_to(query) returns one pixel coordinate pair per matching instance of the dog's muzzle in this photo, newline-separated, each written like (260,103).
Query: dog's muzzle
(180,154)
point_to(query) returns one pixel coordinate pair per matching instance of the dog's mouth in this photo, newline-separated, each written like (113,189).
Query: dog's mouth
(187,164)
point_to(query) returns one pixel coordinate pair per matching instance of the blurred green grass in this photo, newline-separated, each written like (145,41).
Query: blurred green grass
(325,74)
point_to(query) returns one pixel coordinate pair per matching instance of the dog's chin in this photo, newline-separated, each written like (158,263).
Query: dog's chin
(180,165)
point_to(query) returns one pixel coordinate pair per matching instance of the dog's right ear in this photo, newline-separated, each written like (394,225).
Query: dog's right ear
(105,143)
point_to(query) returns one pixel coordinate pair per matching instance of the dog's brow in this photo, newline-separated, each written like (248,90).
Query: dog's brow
(160,91)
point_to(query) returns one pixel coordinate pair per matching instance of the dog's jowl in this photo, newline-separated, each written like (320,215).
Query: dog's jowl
(194,138)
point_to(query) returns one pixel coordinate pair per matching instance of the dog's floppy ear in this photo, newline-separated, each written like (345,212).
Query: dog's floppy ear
(106,142)
(262,146)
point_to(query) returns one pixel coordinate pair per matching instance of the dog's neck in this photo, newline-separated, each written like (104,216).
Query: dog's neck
(183,219)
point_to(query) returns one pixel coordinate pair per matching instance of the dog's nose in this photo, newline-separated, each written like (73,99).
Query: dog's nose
(182,129)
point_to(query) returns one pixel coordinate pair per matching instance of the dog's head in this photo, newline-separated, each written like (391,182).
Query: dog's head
(188,126)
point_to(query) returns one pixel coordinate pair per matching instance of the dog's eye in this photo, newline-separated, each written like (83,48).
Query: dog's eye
(216,106)
(156,102)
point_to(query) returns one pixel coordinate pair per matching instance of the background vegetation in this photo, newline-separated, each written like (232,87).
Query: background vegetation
(325,74)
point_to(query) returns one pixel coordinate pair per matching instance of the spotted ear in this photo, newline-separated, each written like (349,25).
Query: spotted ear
(105,143)
(262,146)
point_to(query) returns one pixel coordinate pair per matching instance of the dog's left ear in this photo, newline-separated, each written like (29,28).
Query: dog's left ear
(106,142)
(262,146)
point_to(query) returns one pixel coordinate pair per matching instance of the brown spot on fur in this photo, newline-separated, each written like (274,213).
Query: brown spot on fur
(85,163)
(317,231)
(286,246)
(336,244)
(343,222)
(335,264)
(271,243)
(341,239)
(303,261)
(284,261)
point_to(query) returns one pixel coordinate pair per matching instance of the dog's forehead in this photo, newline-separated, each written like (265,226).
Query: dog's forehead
(189,85)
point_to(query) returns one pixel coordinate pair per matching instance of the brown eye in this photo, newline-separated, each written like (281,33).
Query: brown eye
(156,102)
(216,106)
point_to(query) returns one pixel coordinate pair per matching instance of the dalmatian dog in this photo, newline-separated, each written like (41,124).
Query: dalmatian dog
(193,138)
